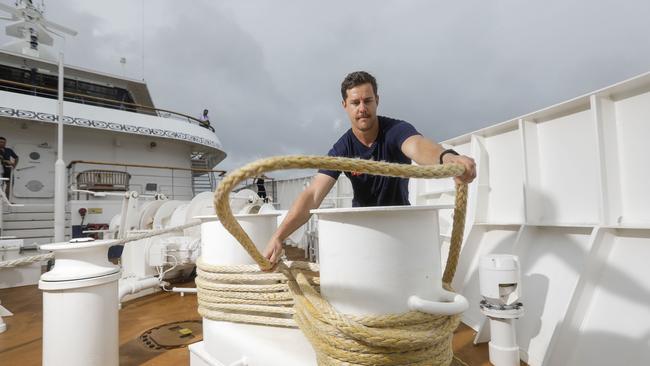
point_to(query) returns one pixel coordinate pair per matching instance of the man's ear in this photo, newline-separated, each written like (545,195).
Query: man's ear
(344,104)
(376,99)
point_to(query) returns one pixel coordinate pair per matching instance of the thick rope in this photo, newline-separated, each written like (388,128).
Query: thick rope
(26,260)
(245,294)
(259,167)
(158,232)
(412,338)
(42,257)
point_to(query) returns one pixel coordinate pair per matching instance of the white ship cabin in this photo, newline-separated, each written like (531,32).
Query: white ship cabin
(115,140)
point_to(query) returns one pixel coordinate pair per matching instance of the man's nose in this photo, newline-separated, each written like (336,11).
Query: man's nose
(362,107)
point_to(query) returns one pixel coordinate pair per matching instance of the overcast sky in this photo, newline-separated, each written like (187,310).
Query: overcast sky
(270,71)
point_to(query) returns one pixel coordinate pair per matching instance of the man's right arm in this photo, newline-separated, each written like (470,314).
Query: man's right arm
(298,215)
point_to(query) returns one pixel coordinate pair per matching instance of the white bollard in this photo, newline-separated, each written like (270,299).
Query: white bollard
(227,343)
(383,260)
(80,306)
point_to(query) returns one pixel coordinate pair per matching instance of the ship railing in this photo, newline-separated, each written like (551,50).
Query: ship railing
(174,182)
(41,91)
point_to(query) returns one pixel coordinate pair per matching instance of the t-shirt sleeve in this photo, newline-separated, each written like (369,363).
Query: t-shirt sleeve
(401,132)
(13,154)
(332,173)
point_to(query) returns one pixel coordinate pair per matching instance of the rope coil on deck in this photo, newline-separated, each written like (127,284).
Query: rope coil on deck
(245,294)
(412,338)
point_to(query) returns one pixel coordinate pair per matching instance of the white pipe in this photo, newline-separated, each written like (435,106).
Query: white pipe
(132,287)
(59,169)
(184,290)
(503,348)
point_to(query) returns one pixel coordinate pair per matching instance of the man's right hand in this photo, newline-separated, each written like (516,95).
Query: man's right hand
(273,250)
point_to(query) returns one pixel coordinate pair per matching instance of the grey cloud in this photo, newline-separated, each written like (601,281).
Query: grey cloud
(269,71)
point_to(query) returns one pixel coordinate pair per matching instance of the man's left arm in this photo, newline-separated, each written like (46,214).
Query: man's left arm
(426,152)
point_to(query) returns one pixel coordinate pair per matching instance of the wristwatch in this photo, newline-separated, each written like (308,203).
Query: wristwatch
(448,151)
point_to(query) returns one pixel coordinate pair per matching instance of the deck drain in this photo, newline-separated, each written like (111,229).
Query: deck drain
(172,335)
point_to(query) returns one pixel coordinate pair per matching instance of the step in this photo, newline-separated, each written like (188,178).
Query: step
(30,216)
(31,208)
(31,233)
(22,225)
(42,240)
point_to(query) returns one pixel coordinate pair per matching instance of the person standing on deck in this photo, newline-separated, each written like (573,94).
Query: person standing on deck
(9,162)
(205,120)
(370,137)
(261,189)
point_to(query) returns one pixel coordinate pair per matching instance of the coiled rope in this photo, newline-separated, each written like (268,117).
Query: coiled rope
(412,338)
(244,294)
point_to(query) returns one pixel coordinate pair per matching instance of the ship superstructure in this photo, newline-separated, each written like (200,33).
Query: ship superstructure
(115,138)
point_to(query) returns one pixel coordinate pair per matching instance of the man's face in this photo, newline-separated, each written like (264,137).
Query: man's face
(361,107)
(2,143)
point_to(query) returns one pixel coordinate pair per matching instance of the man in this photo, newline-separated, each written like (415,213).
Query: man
(370,137)
(205,120)
(7,163)
(261,189)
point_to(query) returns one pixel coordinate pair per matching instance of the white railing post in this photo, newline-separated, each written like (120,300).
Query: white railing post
(59,169)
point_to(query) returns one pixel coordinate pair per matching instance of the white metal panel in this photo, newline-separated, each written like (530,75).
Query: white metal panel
(568,168)
(633,124)
(616,327)
(506,191)
(552,259)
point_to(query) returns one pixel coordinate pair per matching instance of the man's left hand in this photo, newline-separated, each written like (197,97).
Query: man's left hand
(467,162)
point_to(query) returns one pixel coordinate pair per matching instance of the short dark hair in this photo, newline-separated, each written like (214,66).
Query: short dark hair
(355,79)
(2,138)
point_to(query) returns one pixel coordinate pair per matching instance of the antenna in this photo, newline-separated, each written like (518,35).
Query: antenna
(31,27)
(142,40)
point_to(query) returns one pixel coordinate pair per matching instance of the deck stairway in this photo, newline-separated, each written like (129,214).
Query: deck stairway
(201,181)
(33,223)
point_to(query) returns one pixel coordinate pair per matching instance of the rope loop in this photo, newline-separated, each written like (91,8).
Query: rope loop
(412,338)
(259,167)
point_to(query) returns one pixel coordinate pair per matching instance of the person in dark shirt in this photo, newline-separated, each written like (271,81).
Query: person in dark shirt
(370,137)
(261,189)
(9,162)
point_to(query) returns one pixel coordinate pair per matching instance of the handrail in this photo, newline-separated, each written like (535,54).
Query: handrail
(114,102)
(221,172)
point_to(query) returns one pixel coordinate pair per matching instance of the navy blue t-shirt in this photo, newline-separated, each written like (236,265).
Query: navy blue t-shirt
(373,190)
(7,154)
